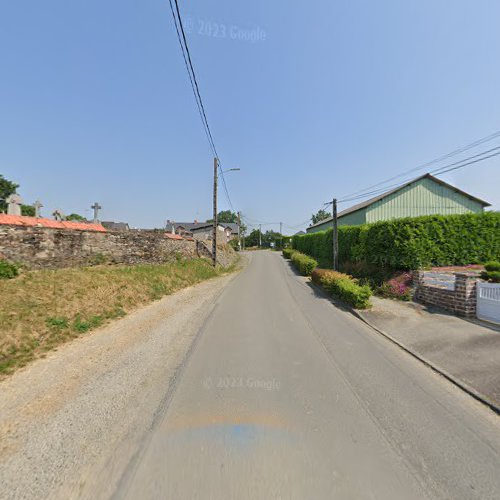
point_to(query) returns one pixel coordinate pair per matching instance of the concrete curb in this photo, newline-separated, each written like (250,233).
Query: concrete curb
(462,385)
(458,383)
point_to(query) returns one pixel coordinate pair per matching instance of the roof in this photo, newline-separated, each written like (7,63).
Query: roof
(195,226)
(373,200)
(19,220)
(300,233)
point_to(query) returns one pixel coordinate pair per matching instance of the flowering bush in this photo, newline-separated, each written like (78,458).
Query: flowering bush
(398,287)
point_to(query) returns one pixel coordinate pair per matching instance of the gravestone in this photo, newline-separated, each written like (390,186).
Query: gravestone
(14,203)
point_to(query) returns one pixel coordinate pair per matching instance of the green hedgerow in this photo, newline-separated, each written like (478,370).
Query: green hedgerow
(410,243)
(344,287)
(287,253)
(304,263)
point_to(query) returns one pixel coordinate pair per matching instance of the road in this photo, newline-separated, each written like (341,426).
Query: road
(280,394)
(286,396)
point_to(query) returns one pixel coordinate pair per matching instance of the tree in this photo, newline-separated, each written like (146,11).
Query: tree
(319,216)
(28,210)
(76,217)
(252,240)
(6,189)
(228,217)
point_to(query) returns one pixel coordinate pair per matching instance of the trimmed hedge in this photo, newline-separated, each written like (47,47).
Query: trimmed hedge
(344,287)
(304,263)
(287,252)
(410,243)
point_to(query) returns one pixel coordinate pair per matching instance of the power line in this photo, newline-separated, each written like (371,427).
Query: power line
(439,171)
(186,54)
(432,162)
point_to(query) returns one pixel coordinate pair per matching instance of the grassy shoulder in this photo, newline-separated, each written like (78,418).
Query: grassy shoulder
(43,309)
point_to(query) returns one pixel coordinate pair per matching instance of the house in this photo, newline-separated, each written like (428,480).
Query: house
(203,230)
(425,195)
(116,226)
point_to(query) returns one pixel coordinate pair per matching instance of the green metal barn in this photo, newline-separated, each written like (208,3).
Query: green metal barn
(425,195)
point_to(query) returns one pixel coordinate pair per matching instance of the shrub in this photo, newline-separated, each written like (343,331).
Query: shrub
(492,266)
(8,270)
(287,253)
(492,276)
(304,263)
(398,287)
(344,287)
(410,243)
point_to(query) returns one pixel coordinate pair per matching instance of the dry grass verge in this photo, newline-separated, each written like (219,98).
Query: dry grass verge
(40,310)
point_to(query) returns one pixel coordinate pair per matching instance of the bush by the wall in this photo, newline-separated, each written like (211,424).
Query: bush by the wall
(492,272)
(492,266)
(287,253)
(344,287)
(410,243)
(8,270)
(304,263)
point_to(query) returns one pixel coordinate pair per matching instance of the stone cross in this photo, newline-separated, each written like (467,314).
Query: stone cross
(38,205)
(96,207)
(14,203)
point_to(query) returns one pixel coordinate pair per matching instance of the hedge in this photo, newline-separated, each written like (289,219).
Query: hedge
(344,287)
(287,252)
(410,243)
(303,263)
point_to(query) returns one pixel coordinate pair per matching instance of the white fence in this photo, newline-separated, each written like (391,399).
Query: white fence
(488,301)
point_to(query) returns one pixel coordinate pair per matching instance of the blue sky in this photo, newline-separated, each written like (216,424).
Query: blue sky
(95,102)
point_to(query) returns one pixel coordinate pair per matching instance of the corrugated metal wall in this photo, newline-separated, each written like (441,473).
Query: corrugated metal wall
(425,197)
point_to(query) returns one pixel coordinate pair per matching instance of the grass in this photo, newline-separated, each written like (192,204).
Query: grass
(43,309)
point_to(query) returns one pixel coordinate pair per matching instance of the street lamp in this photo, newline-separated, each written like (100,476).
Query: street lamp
(214,233)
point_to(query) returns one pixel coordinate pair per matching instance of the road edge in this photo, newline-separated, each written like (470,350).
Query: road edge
(448,376)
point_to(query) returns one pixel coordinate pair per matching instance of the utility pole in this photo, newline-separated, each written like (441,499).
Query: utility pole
(281,235)
(214,234)
(260,235)
(335,236)
(239,231)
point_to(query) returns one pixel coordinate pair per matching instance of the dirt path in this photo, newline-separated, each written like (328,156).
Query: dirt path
(63,416)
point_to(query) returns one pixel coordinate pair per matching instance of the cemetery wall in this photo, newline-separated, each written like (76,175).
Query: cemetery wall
(39,248)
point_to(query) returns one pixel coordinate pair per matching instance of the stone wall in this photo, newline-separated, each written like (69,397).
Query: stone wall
(461,300)
(38,248)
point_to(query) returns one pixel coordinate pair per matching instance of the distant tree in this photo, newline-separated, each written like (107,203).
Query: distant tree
(6,189)
(76,218)
(252,240)
(28,210)
(319,216)
(228,217)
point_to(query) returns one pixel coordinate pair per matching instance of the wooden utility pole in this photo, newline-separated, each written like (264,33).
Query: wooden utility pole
(214,234)
(239,231)
(260,235)
(281,235)
(335,236)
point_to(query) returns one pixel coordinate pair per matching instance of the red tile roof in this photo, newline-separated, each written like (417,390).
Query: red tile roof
(17,220)
(174,236)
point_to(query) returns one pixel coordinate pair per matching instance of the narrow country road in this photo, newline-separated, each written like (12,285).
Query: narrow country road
(286,396)
(282,395)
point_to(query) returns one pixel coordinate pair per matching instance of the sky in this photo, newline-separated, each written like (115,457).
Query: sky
(311,100)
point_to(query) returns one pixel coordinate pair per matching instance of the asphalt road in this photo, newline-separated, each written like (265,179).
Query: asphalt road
(286,396)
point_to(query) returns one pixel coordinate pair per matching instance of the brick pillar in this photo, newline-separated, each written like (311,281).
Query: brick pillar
(465,294)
